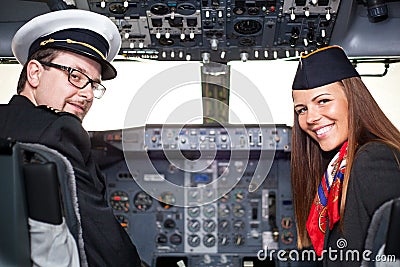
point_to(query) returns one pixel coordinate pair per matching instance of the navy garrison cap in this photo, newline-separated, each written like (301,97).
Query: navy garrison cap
(321,67)
(83,32)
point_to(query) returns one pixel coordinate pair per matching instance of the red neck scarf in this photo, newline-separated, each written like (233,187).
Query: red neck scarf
(325,207)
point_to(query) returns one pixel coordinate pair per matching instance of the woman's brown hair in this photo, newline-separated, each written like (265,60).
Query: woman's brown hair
(366,121)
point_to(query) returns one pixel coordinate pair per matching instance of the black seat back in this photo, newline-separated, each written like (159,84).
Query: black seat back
(36,182)
(383,236)
(393,235)
(14,235)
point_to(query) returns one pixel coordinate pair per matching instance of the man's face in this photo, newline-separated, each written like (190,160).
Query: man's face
(56,91)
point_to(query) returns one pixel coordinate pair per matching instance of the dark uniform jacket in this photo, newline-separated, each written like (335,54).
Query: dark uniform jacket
(106,242)
(374,179)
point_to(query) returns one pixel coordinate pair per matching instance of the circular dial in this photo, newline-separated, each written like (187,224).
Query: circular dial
(238,239)
(175,239)
(209,225)
(194,212)
(209,240)
(186,9)
(239,10)
(119,200)
(208,194)
(238,210)
(159,9)
(287,222)
(223,240)
(225,198)
(287,237)
(142,201)
(194,240)
(223,226)
(239,195)
(166,41)
(223,210)
(169,223)
(248,26)
(167,200)
(194,225)
(238,225)
(209,211)
(194,194)
(117,8)
(162,239)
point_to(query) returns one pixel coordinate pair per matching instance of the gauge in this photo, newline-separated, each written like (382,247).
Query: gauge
(287,237)
(159,9)
(238,239)
(194,195)
(239,10)
(194,225)
(162,239)
(119,200)
(186,9)
(209,211)
(117,8)
(225,198)
(223,226)
(166,41)
(253,10)
(209,225)
(239,195)
(287,222)
(208,193)
(238,225)
(194,240)
(194,212)
(169,223)
(142,201)
(167,200)
(238,210)
(223,240)
(209,240)
(223,210)
(175,239)
(247,26)
(123,221)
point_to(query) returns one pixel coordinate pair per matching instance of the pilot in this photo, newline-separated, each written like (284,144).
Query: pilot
(65,56)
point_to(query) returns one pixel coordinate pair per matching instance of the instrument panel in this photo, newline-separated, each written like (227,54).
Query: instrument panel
(231,200)
(220,30)
(229,30)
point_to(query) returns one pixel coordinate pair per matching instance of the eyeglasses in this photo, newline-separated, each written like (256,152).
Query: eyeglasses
(79,79)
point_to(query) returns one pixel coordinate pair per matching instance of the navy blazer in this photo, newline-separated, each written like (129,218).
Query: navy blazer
(374,179)
(106,242)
